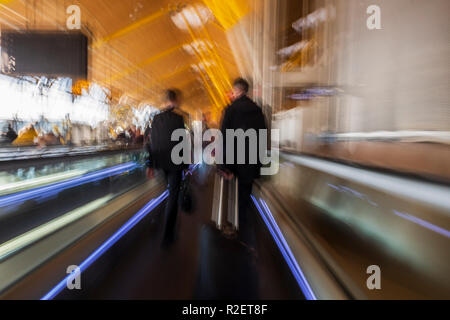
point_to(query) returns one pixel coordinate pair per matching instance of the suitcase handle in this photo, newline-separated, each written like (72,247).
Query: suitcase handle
(218,214)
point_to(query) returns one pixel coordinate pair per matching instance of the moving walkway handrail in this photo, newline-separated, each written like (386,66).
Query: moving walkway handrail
(12,155)
(67,169)
(31,272)
(371,199)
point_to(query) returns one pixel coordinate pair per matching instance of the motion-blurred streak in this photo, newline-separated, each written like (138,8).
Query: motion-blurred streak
(50,190)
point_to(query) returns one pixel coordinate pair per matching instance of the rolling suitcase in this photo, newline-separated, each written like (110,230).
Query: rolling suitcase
(225,214)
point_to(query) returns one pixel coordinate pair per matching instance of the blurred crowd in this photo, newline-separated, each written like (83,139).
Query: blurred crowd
(34,134)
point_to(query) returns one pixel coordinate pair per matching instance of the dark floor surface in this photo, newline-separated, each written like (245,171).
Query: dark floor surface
(201,264)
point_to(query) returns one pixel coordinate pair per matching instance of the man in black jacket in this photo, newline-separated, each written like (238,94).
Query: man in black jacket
(160,151)
(243,114)
(11,134)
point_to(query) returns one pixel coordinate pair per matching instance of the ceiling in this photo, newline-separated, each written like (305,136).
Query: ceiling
(137,50)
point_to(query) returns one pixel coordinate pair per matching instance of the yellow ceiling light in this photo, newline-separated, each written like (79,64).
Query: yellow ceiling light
(228,12)
(197,45)
(213,52)
(189,14)
(202,66)
(219,97)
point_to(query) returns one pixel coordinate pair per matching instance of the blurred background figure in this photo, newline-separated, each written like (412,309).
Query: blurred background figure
(160,157)
(11,135)
(26,136)
(147,133)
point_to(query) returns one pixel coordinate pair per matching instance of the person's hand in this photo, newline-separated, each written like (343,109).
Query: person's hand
(150,173)
(227,175)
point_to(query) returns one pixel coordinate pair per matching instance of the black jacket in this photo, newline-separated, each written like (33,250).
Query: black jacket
(11,135)
(161,144)
(243,114)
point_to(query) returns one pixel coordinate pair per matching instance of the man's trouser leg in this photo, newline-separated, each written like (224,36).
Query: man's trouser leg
(246,219)
(171,211)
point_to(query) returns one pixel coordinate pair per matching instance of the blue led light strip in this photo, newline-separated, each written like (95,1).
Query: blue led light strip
(58,187)
(108,243)
(271,224)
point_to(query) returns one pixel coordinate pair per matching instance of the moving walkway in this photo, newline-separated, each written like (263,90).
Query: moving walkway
(319,226)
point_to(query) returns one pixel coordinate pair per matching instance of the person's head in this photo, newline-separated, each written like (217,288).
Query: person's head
(172,97)
(240,88)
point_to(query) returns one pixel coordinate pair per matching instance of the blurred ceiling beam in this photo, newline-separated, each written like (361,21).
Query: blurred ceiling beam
(130,28)
(142,64)
(162,78)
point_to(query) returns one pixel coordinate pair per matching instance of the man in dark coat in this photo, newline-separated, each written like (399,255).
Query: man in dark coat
(160,151)
(11,134)
(243,114)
